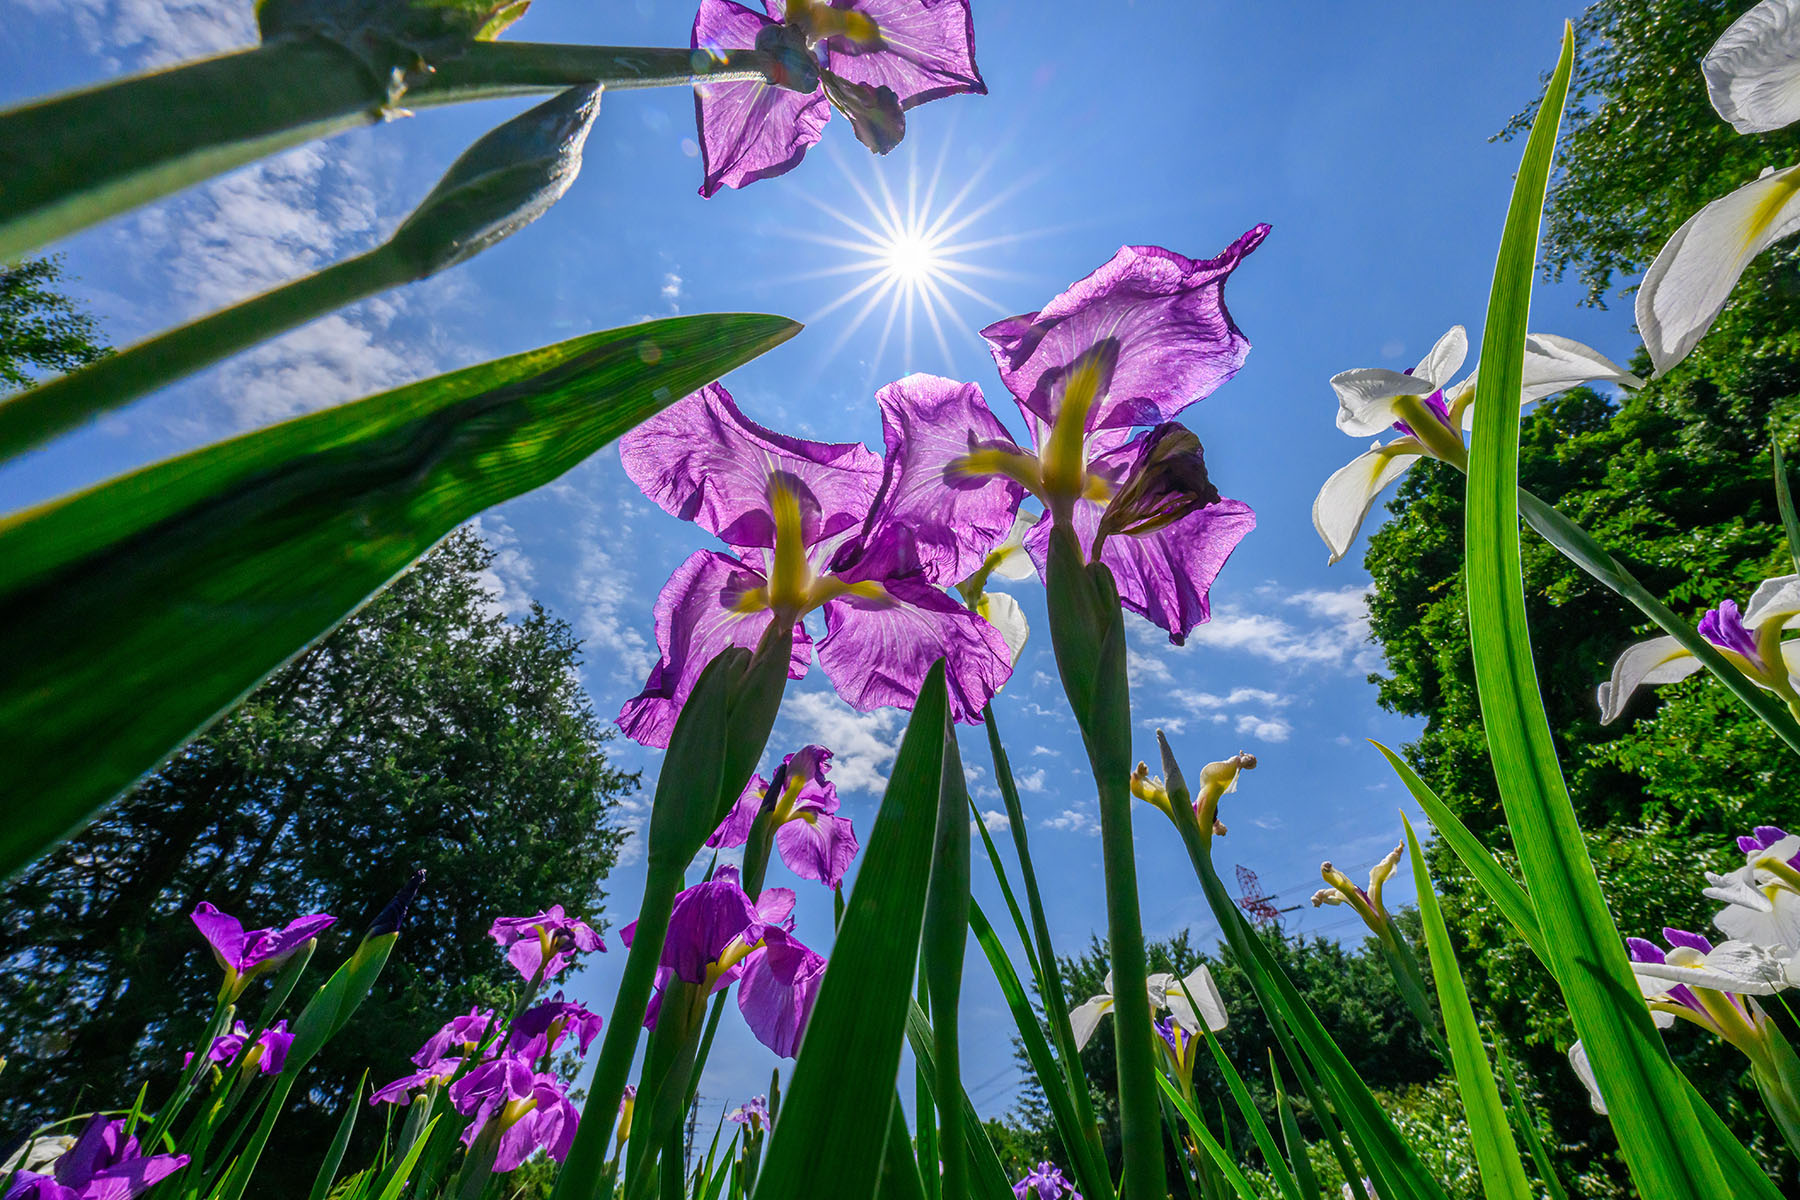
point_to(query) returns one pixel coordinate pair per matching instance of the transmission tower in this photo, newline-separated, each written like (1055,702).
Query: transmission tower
(1260,907)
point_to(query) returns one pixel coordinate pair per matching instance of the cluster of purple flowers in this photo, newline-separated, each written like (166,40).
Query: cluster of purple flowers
(875,542)
(872,60)
(802,805)
(499,1076)
(1045,1182)
(105,1163)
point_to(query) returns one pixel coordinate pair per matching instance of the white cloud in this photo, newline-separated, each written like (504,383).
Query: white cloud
(671,290)
(1175,725)
(863,745)
(611,615)
(1143,669)
(1206,702)
(1335,636)
(1075,820)
(138,34)
(630,817)
(1031,782)
(995,820)
(1047,751)
(1264,729)
(509,580)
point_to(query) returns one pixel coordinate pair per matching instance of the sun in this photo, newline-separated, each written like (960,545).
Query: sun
(913,255)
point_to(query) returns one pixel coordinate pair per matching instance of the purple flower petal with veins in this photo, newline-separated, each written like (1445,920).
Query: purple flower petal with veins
(946,525)
(753,130)
(1176,341)
(703,460)
(103,1164)
(879,652)
(528,939)
(922,49)
(734,830)
(542,1028)
(401,1090)
(241,952)
(1163,576)
(820,848)
(696,619)
(780,984)
(460,1034)
(707,918)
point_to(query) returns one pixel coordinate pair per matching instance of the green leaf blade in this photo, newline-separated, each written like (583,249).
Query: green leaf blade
(134,613)
(1657,1132)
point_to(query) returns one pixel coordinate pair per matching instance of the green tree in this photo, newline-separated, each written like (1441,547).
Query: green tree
(1675,480)
(426,731)
(39,326)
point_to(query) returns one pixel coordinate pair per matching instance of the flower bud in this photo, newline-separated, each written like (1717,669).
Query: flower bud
(1165,481)
(875,113)
(795,67)
(388,33)
(509,178)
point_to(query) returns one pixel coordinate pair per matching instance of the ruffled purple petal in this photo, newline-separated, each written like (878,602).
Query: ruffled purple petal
(922,520)
(272,947)
(822,848)
(132,1178)
(925,49)
(468,1029)
(400,1091)
(878,652)
(706,919)
(775,907)
(275,1041)
(780,984)
(703,460)
(224,933)
(734,830)
(1175,339)
(1161,576)
(748,131)
(695,621)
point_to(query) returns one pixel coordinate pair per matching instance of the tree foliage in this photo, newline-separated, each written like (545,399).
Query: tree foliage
(39,326)
(427,731)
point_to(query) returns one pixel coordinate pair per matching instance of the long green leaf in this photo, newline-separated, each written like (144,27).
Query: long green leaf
(1784,500)
(987,1179)
(1580,547)
(1747,1178)
(823,1146)
(134,613)
(1502,1174)
(1049,1072)
(70,161)
(1662,1146)
(1527,1127)
(900,1178)
(1227,1165)
(1290,1135)
(1253,1119)
(946,936)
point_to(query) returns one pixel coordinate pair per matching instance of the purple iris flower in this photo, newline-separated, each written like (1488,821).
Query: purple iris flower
(401,1090)
(813,841)
(1044,1182)
(717,936)
(816,525)
(459,1034)
(875,59)
(1724,627)
(1764,836)
(269,1052)
(754,1113)
(550,933)
(243,953)
(542,1028)
(1643,951)
(103,1164)
(531,1108)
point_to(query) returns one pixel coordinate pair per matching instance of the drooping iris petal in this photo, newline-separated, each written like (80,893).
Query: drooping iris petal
(1205,992)
(1084,1018)
(696,619)
(1687,286)
(821,848)
(753,130)
(1366,398)
(1552,364)
(471,1028)
(1728,967)
(1659,660)
(925,49)
(775,907)
(401,1090)
(706,919)
(1344,502)
(1003,613)
(1444,359)
(548,1125)
(946,525)
(703,460)
(1753,70)
(734,830)
(1162,576)
(780,983)
(1775,599)
(1176,340)
(223,932)
(877,652)
(524,939)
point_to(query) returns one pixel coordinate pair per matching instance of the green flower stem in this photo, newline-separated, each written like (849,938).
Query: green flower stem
(1409,976)
(74,160)
(223,1011)
(1056,1002)
(1087,629)
(941,954)
(32,418)
(1580,547)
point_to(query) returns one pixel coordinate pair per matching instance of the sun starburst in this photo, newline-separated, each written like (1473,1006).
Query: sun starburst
(913,257)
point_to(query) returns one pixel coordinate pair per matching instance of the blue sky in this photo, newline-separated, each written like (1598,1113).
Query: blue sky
(1359,131)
